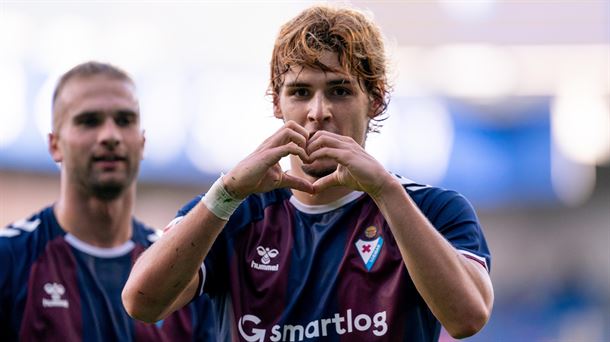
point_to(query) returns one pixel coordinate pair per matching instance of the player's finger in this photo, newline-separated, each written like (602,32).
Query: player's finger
(326,135)
(326,182)
(339,155)
(297,183)
(290,132)
(277,153)
(287,135)
(297,128)
(321,141)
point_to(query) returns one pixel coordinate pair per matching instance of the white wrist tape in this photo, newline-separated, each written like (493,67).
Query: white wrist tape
(219,201)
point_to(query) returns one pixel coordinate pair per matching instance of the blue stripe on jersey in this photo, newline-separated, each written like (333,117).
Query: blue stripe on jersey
(101,281)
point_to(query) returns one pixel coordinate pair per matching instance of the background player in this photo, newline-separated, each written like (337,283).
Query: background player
(64,267)
(336,246)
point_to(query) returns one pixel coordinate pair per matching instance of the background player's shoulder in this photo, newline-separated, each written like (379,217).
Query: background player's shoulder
(22,241)
(189,205)
(41,222)
(145,234)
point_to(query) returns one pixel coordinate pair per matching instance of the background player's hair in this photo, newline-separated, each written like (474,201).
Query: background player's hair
(349,33)
(87,69)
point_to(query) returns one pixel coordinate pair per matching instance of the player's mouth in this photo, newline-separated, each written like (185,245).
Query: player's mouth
(108,161)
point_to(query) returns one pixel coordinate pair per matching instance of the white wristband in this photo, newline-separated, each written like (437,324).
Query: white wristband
(219,201)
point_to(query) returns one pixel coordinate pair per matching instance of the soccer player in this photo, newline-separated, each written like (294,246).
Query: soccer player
(337,248)
(63,269)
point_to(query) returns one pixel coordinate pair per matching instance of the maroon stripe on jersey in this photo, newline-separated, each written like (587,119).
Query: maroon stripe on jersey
(53,307)
(261,265)
(471,257)
(368,310)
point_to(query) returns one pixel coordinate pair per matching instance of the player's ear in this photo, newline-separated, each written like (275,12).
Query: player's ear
(54,148)
(277,110)
(143,134)
(375,108)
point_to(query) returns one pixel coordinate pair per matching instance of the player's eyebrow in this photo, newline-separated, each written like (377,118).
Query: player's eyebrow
(127,112)
(340,81)
(297,84)
(124,112)
(87,113)
(301,84)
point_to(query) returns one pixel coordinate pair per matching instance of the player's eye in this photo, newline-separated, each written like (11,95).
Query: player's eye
(88,120)
(123,119)
(299,92)
(340,91)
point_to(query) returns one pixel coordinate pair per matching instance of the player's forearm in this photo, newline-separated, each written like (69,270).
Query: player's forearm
(452,286)
(159,278)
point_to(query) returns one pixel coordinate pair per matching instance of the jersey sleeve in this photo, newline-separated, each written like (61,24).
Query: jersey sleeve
(6,286)
(455,218)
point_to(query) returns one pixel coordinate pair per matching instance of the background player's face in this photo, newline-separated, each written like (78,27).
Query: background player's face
(98,140)
(328,101)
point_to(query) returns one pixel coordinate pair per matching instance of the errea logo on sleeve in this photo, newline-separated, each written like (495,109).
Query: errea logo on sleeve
(266,255)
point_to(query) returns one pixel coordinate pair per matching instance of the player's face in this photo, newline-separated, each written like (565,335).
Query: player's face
(328,101)
(99,141)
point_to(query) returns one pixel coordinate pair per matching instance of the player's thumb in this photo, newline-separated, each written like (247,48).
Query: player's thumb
(325,183)
(289,181)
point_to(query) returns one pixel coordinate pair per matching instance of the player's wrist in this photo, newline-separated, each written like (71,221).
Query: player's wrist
(220,201)
(229,185)
(386,184)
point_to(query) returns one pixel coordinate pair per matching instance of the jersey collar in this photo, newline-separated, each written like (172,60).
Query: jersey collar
(99,252)
(324,208)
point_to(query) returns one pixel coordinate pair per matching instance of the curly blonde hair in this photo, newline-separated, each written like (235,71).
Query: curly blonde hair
(347,32)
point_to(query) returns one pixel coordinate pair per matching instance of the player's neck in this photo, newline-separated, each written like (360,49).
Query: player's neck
(97,222)
(327,196)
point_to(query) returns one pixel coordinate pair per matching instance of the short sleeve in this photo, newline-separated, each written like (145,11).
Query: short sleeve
(455,218)
(6,286)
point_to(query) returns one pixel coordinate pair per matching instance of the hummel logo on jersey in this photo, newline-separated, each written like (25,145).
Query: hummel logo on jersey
(266,255)
(56,291)
(369,247)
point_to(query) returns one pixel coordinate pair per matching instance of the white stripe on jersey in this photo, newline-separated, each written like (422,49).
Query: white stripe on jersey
(324,208)
(28,226)
(477,258)
(172,223)
(411,185)
(9,232)
(100,252)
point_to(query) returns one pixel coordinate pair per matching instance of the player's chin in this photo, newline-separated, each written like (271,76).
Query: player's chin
(110,187)
(108,191)
(320,168)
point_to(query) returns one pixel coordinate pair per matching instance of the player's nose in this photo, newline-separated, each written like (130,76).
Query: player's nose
(109,134)
(319,108)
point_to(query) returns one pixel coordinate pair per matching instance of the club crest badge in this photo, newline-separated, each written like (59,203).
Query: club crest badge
(369,247)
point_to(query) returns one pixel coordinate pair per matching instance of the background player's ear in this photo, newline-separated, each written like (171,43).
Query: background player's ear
(54,149)
(143,144)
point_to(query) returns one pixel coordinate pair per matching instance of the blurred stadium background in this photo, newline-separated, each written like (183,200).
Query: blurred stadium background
(507,102)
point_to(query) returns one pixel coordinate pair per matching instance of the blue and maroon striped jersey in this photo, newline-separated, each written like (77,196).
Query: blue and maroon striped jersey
(54,287)
(293,272)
